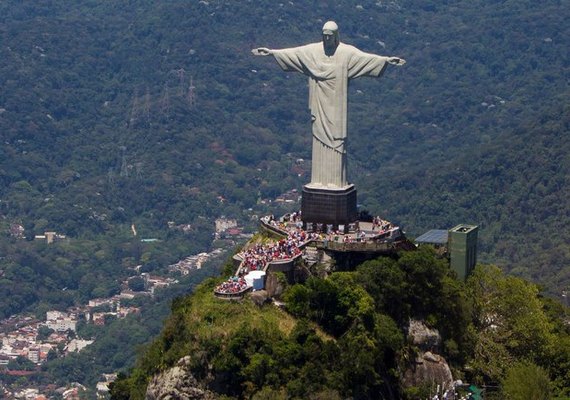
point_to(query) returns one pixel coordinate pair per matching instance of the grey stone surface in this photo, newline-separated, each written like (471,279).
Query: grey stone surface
(329,65)
(422,336)
(427,367)
(177,383)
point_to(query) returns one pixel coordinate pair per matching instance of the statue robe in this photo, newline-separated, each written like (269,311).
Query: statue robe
(328,85)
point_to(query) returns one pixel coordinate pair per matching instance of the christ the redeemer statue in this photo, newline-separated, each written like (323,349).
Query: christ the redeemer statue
(329,65)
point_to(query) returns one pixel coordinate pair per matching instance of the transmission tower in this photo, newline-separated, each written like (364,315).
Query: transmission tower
(165,102)
(138,170)
(111,177)
(191,94)
(180,74)
(146,106)
(124,166)
(135,109)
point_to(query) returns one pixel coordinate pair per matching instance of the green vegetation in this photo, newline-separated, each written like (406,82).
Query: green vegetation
(345,335)
(21,363)
(119,342)
(526,381)
(102,134)
(98,132)
(71,272)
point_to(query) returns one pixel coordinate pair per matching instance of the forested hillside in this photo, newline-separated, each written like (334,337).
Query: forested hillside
(346,336)
(122,113)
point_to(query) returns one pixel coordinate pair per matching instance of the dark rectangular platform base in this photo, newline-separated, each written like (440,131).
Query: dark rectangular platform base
(328,206)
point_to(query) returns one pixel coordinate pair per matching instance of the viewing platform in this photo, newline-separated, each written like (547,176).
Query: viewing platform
(366,237)
(280,255)
(232,295)
(259,258)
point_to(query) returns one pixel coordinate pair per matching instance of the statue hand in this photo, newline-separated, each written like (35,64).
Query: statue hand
(261,51)
(396,61)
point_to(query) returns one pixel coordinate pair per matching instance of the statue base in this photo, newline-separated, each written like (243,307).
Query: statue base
(324,208)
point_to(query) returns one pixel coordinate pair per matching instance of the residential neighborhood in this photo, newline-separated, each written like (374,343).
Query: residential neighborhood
(27,339)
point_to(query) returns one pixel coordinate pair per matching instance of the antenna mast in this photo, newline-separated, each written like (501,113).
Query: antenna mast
(146,106)
(135,109)
(191,93)
(165,102)
(124,166)
(180,73)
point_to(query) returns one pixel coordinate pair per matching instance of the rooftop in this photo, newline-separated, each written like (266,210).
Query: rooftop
(434,236)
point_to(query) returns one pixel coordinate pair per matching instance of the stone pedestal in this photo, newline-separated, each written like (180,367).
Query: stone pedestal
(328,206)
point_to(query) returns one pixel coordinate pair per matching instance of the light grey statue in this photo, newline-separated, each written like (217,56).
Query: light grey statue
(329,66)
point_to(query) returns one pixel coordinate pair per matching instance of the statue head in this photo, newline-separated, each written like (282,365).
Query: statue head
(330,37)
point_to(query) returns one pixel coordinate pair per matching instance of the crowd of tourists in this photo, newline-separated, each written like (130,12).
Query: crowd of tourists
(256,257)
(285,223)
(259,255)
(381,225)
(233,285)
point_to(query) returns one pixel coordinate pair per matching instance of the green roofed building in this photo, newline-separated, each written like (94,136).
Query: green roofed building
(462,247)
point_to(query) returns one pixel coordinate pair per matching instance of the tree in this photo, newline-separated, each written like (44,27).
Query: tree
(526,381)
(51,355)
(510,322)
(137,284)
(354,303)
(21,363)
(387,284)
(43,333)
(297,299)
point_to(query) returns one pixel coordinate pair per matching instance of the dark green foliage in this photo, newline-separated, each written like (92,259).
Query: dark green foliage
(526,381)
(558,365)
(120,388)
(67,273)
(21,363)
(236,351)
(136,284)
(388,285)
(513,328)
(43,333)
(419,285)
(98,134)
(334,303)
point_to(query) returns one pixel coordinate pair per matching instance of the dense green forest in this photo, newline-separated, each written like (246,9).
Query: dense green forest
(143,113)
(116,115)
(344,337)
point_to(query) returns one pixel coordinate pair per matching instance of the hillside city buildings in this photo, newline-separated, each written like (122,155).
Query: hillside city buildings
(57,336)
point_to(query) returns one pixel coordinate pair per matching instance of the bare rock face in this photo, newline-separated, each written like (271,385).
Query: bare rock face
(177,383)
(273,286)
(259,297)
(427,367)
(422,336)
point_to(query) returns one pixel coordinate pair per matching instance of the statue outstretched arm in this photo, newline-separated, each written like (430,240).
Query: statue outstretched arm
(396,61)
(262,51)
